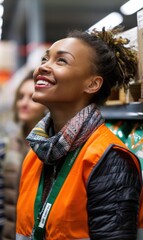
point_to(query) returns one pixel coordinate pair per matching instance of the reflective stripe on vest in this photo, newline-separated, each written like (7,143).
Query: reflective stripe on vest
(21,237)
(140,234)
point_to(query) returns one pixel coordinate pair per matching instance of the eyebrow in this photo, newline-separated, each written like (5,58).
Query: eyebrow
(61,52)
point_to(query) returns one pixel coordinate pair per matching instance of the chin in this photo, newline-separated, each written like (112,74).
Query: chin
(38,99)
(35,98)
(24,119)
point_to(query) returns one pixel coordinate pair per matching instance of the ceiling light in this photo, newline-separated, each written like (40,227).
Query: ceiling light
(131,7)
(1,22)
(0,33)
(1,10)
(110,21)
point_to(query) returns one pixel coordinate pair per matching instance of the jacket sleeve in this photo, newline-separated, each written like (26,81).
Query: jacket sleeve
(113,192)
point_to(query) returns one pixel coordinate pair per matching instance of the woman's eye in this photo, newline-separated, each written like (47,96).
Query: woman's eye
(63,60)
(44,59)
(20,96)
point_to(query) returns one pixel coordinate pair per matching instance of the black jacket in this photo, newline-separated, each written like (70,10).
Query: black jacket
(113,191)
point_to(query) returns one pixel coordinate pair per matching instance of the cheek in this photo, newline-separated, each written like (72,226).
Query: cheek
(74,84)
(35,72)
(18,105)
(69,79)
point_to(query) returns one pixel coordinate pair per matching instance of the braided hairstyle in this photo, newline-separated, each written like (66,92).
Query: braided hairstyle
(111,59)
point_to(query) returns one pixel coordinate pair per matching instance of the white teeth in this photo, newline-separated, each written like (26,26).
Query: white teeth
(41,82)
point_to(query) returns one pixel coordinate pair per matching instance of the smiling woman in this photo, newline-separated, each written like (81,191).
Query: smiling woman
(84,183)
(67,77)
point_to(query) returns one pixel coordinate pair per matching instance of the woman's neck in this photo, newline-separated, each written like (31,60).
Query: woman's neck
(62,113)
(60,118)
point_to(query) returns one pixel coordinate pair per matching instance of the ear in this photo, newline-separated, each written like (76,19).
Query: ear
(94,84)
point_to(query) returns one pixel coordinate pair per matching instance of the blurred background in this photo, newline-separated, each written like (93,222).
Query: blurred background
(49,20)
(32,22)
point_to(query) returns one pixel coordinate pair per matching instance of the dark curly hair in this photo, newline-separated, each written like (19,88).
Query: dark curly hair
(111,59)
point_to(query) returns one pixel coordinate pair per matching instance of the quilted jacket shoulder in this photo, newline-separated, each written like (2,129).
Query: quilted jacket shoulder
(113,191)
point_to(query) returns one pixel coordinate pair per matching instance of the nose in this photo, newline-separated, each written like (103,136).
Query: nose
(45,68)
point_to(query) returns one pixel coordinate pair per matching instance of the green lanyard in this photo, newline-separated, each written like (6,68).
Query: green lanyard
(42,216)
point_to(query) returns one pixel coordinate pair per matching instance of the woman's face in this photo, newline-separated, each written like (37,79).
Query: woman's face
(64,73)
(28,111)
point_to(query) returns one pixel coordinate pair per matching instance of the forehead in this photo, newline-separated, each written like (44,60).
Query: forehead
(72,45)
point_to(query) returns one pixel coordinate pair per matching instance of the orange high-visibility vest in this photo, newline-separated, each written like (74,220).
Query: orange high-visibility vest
(68,217)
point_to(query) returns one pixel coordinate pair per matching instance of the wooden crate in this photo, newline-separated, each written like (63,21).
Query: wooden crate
(117,96)
(133,94)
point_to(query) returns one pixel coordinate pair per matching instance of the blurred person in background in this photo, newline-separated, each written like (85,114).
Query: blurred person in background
(26,114)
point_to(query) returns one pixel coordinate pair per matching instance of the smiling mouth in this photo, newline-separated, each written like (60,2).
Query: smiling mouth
(42,82)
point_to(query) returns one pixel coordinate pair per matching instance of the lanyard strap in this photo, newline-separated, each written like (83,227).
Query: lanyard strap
(42,216)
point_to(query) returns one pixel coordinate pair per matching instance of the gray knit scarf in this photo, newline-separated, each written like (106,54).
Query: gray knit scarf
(76,131)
